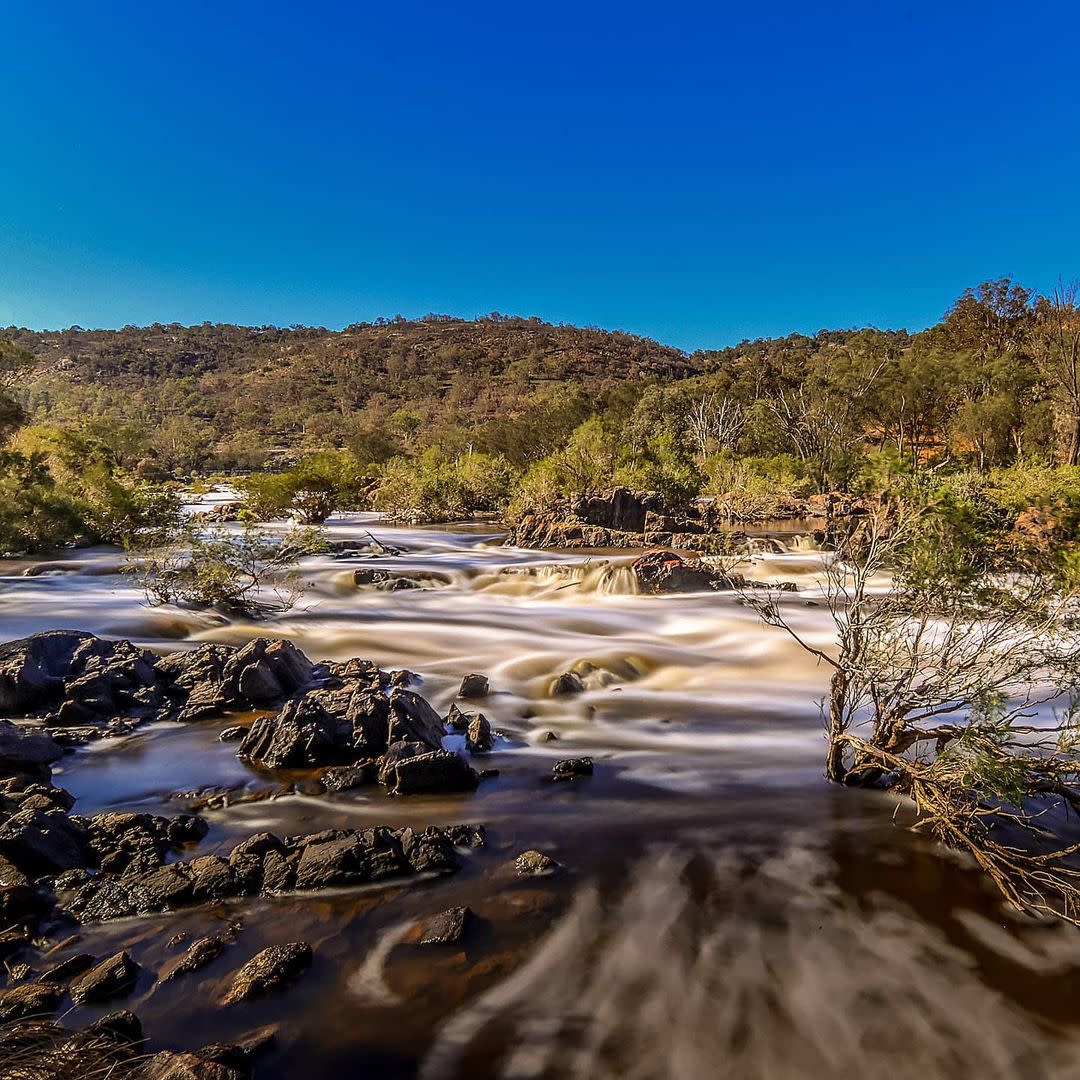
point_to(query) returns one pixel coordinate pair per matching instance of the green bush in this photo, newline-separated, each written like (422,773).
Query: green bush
(311,491)
(62,487)
(34,513)
(434,488)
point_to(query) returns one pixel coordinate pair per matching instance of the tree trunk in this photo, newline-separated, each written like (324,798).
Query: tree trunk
(835,769)
(1074,442)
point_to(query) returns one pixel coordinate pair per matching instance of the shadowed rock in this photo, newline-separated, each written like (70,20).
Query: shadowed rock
(474,685)
(447,928)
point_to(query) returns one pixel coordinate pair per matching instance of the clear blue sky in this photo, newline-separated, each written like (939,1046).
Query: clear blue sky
(695,172)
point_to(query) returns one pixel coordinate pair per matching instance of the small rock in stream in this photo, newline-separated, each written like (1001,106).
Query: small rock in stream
(447,928)
(68,969)
(479,737)
(201,952)
(113,977)
(572,768)
(534,863)
(474,685)
(232,734)
(567,683)
(269,970)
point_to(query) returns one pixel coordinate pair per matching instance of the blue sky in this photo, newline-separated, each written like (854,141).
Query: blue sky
(695,172)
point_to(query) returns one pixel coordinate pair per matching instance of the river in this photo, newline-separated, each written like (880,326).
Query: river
(723,912)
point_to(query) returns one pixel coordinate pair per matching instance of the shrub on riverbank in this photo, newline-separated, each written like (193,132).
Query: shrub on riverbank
(311,490)
(435,488)
(59,488)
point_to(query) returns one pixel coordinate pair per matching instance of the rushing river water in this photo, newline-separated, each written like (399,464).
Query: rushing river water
(724,912)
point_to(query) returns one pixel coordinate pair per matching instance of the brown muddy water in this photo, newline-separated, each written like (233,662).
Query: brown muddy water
(724,912)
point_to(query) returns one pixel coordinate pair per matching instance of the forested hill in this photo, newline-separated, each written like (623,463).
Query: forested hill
(284,387)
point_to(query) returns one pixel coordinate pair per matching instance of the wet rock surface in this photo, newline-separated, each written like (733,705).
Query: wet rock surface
(535,864)
(30,999)
(111,978)
(572,768)
(447,928)
(269,970)
(203,951)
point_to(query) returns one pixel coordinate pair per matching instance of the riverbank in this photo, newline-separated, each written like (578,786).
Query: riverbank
(718,901)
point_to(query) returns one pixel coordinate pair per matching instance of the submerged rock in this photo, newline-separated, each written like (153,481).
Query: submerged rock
(268,971)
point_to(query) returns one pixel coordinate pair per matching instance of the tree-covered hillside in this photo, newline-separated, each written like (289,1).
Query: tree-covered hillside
(243,390)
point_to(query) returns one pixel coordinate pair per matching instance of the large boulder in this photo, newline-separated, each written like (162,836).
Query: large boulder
(211,679)
(315,728)
(265,671)
(667,572)
(341,723)
(197,678)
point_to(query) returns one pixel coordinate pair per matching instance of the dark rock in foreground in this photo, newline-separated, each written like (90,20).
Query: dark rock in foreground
(269,970)
(30,999)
